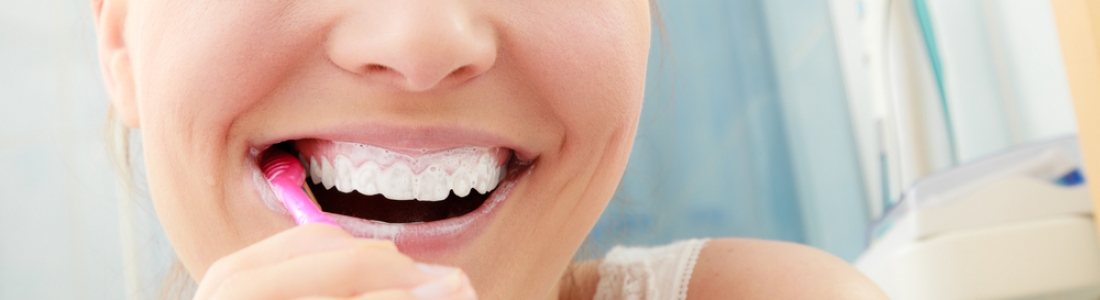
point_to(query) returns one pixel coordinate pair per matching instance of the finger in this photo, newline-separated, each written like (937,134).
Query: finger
(393,294)
(465,292)
(338,273)
(298,241)
(460,289)
(450,284)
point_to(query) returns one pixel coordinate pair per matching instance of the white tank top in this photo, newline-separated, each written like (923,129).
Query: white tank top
(642,273)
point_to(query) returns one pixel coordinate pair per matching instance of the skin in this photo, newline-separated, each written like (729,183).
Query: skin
(207,81)
(756,269)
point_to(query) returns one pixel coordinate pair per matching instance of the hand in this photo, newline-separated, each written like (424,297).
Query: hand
(319,261)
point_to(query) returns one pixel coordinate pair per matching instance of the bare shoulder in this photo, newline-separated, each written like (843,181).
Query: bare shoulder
(757,269)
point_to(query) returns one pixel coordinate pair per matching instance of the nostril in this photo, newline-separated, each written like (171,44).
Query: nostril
(461,72)
(420,77)
(376,68)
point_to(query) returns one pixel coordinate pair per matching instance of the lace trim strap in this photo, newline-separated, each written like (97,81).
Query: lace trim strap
(641,273)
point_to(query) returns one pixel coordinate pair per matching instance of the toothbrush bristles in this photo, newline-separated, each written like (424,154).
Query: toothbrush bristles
(305,187)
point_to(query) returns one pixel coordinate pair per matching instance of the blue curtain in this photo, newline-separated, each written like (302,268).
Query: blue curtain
(715,154)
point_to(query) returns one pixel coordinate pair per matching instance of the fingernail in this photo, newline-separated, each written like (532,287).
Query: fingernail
(448,281)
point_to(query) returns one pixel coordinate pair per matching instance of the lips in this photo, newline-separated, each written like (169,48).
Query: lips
(422,198)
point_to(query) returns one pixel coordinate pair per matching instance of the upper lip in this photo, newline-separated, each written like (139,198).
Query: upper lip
(402,137)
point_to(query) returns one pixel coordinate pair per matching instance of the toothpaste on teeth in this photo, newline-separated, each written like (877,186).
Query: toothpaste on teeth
(372,170)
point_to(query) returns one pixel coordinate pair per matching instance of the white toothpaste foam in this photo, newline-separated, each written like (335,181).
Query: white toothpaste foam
(372,170)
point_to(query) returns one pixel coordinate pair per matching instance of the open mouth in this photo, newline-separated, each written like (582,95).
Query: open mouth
(400,185)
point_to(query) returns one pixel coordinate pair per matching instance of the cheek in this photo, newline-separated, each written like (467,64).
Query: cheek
(586,61)
(205,63)
(198,67)
(589,59)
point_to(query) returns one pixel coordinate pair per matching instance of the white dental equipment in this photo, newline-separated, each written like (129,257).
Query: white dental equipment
(1018,225)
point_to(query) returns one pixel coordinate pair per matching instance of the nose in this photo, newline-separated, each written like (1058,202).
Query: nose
(415,45)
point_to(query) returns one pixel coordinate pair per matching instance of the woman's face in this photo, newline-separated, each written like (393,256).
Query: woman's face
(553,87)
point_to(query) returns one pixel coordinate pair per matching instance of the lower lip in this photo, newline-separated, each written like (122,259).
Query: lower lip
(418,238)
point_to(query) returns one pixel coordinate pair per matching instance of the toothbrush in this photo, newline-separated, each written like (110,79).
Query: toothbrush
(287,179)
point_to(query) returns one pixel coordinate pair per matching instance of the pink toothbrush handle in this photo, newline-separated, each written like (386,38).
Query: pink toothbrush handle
(285,175)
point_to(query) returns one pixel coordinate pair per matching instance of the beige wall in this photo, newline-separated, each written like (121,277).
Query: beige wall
(1079,28)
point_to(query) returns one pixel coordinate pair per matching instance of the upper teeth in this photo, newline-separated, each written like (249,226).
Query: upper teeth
(397,181)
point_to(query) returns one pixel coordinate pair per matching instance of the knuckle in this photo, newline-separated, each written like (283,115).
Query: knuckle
(230,281)
(222,266)
(362,257)
(231,287)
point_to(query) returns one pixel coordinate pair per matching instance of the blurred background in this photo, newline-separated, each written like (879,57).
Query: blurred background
(796,120)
